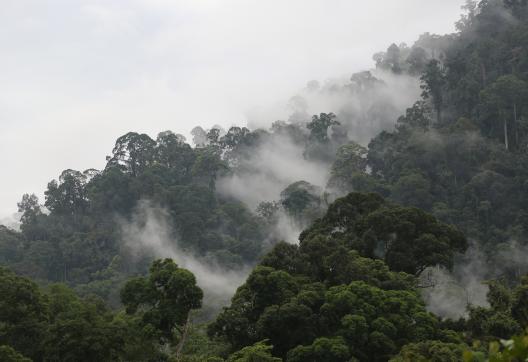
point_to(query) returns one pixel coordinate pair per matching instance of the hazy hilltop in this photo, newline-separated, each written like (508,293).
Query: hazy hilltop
(392,225)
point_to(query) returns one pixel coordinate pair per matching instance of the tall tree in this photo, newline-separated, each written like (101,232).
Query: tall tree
(164,298)
(133,152)
(23,314)
(433,82)
(506,96)
(319,126)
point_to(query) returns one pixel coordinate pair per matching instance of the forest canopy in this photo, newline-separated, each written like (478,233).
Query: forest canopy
(317,239)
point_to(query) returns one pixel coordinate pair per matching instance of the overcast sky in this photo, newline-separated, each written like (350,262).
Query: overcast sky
(75,75)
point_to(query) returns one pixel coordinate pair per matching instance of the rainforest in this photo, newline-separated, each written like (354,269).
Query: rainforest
(391,227)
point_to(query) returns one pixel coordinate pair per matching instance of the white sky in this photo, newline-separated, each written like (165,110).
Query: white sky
(77,74)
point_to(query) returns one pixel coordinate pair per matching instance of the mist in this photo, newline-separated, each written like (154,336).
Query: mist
(80,105)
(148,66)
(11,221)
(148,232)
(365,103)
(453,292)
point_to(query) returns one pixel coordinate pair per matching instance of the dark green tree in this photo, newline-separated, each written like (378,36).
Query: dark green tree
(506,96)
(320,125)
(23,314)
(433,82)
(164,298)
(132,152)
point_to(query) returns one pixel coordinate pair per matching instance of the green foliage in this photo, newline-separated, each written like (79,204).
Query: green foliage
(321,144)
(23,314)
(258,352)
(504,98)
(302,201)
(58,325)
(8,354)
(133,153)
(11,246)
(77,241)
(519,307)
(319,126)
(321,350)
(433,81)
(408,239)
(164,298)
(350,161)
(80,330)
(504,317)
(514,349)
(430,351)
(198,347)
(348,291)
(322,301)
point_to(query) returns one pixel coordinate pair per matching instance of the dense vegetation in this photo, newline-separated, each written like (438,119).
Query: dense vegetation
(56,325)
(452,172)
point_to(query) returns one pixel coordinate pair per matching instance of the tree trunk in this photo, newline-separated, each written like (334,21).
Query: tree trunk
(483,74)
(515,125)
(506,134)
(184,336)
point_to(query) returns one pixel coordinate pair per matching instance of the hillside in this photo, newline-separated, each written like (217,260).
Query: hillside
(393,227)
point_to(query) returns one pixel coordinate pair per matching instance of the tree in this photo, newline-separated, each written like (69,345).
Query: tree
(364,82)
(416,117)
(258,352)
(413,189)
(430,351)
(268,210)
(68,195)
(11,246)
(319,126)
(207,167)
(408,239)
(80,330)
(213,136)
(433,82)
(286,257)
(300,199)
(173,153)
(389,60)
(233,137)
(520,302)
(392,59)
(30,209)
(8,354)
(164,298)
(321,350)
(467,20)
(199,137)
(235,142)
(23,314)
(508,350)
(351,160)
(132,152)
(323,301)
(506,96)
(287,325)
(417,60)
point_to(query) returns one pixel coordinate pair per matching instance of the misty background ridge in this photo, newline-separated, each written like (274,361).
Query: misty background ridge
(154,65)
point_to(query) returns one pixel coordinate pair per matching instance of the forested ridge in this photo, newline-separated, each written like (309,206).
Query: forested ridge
(138,261)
